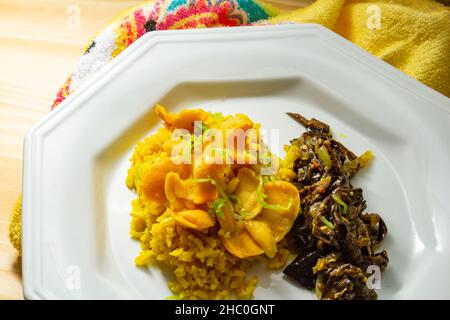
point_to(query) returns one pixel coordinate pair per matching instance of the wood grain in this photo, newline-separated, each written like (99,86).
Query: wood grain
(39,48)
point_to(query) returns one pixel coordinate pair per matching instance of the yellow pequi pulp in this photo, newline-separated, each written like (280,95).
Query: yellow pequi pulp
(204,209)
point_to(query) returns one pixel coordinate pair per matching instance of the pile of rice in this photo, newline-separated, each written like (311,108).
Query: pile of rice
(202,267)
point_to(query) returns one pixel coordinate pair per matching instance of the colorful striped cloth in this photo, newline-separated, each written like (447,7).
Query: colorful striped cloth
(160,15)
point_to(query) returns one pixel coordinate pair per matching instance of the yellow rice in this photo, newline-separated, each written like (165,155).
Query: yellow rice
(201,266)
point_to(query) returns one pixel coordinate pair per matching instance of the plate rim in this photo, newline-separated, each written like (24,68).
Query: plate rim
(32,286)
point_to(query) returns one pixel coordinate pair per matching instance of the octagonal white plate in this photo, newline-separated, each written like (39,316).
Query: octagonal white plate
(76,205)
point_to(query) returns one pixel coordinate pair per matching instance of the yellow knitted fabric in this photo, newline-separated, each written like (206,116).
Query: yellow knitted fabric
(15,225)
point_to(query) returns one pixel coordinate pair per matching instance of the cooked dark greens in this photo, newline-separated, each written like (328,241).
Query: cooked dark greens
(335,240)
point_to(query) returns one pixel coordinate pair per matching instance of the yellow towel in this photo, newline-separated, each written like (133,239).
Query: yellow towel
(412,35)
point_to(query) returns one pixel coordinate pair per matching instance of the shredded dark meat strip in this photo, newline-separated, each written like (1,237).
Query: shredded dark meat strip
(335,239)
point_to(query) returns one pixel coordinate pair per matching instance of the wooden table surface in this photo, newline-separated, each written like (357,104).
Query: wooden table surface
(39,46)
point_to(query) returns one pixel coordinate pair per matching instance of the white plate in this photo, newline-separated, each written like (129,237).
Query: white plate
(76,205)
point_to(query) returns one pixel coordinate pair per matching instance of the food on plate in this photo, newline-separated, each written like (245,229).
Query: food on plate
(212,201)
(337,243)
(205,207)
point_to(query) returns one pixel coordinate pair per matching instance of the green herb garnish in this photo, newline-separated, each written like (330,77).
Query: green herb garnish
(262,196)
(340,202)
(242,213)
(216,208)
(324,156)
(327,223)
(217,115)
(200,180)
